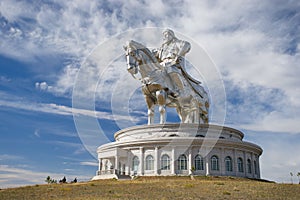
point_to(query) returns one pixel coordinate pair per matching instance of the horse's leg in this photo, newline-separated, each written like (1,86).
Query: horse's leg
(184,115)
(196,119)
(151,115)
(161,100)
(181,111)
(162,111)
(203,112)
(188,114)
(150,105)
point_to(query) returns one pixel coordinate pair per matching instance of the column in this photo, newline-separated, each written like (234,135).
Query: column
(234,163)
(156,161)
(252,166)
(222,162)
(258,167)
(206,159)
(245,164)
(141,168)
(129,162)
(173,161)
(206,166)
(117,164)
(100,164)
(190,161)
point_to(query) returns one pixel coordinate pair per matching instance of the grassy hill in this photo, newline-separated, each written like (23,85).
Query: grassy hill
(158,188)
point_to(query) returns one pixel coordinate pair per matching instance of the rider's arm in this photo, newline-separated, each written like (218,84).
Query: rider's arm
(156,53)
(184,47)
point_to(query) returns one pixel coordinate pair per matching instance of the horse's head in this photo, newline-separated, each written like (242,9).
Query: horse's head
(132,57)
(140,59)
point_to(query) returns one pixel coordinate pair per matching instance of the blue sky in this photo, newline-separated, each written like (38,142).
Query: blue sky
(44,45)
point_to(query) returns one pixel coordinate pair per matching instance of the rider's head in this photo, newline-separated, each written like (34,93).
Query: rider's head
(168,35)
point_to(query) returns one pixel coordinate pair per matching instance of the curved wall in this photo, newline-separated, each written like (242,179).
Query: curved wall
(179,149)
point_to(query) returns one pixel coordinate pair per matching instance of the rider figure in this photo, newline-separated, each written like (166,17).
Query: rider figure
(170,56)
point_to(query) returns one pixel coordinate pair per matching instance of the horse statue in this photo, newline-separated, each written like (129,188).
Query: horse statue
(191,105)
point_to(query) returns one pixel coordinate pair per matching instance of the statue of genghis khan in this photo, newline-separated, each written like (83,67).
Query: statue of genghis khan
(165,81)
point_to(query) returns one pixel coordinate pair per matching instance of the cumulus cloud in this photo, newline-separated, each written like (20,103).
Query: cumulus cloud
(42,86)
(65,82)
(255,48)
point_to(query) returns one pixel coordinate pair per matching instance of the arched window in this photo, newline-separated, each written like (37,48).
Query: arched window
(182,162)
(240,165)
(149,162)
(165,162)
(214,163)
(199,164)
(249,166)
(228,164)
(255,167)
(135,163)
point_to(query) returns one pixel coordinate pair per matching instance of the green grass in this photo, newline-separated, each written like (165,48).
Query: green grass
(158,188)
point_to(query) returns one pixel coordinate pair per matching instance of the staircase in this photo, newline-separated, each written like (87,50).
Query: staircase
(124,177)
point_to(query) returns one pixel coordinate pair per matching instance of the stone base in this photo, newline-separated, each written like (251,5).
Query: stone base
(106,176)
(178,149)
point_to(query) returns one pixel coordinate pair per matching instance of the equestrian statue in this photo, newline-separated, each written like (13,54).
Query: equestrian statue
(165,81)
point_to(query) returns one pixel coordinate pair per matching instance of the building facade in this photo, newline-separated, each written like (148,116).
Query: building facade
(178,149)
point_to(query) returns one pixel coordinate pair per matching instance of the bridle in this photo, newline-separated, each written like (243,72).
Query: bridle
(132,66)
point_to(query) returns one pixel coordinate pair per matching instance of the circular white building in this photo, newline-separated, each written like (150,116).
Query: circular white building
(178,149)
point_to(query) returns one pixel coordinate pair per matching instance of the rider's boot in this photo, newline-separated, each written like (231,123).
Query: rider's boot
(178,85)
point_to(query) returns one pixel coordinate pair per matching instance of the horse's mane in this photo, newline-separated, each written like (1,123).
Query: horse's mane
(138,46)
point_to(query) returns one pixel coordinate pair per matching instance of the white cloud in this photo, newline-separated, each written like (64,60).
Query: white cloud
(13,10)
(89,163)
(9,175)
(15,176)
(275,122)
(52,108)
(261,109)
(42,86)
(65,82)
